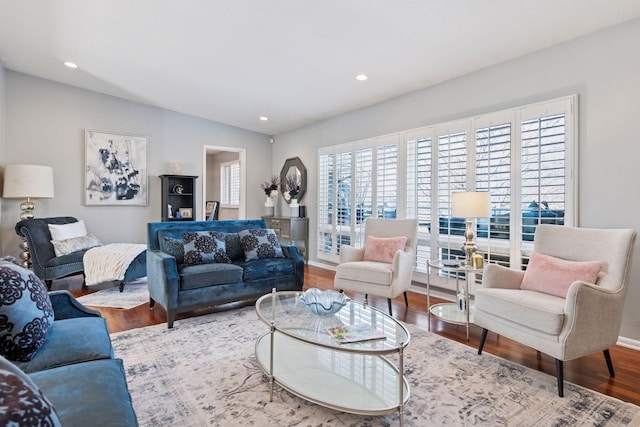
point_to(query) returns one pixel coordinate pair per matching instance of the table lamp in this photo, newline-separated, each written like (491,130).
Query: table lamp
(27,182)
(470,205)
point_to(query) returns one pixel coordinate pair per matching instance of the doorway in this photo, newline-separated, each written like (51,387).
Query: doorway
(213,159)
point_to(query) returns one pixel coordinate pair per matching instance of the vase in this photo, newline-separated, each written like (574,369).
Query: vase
(269,207)
(294,207)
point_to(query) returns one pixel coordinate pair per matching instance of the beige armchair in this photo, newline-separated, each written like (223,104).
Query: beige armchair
(378,268)
(585,321)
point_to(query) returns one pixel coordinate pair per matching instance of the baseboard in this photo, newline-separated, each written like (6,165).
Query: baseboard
(628,343)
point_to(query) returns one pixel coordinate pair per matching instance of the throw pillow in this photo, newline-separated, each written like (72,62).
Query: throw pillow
(260,243)
(75,244)
(382,249)
(234,247)
(204,247)
(553,276)
(26,313)
(21,401)
(67,231)
(173,247)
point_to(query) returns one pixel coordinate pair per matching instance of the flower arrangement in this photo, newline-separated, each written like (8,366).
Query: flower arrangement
(293,188)
(270,186)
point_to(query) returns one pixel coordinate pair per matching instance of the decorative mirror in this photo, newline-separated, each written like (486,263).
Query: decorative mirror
(293,171)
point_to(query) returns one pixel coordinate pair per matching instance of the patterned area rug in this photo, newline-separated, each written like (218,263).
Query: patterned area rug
(134,294)
(203,372)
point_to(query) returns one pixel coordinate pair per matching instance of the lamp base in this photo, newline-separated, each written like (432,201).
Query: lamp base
(469,248)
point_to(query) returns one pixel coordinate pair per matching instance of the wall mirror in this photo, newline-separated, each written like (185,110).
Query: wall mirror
(293,169)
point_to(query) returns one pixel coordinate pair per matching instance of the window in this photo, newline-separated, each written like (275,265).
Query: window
(230,184)
(524,157)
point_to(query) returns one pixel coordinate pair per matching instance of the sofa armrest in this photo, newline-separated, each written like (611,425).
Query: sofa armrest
(498,276)
(291,252)
(163,279)
(350,254)
(65,306)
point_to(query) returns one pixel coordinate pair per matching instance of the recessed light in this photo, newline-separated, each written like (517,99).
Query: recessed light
(361,77)
(264,118)
(71,64)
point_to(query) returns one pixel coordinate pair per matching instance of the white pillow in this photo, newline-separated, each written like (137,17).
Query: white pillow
(67,231)
(65,247)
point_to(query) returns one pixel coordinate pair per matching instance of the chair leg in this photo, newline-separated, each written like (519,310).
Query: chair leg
(121,286)
(48,283)
(406,301)
(607,357)
(560,375)
(171,316)
(483,338)
(152,302)
(366,299)
(389,304)
(84,280)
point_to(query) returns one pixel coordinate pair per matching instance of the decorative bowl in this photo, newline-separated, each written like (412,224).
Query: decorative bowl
(323,303)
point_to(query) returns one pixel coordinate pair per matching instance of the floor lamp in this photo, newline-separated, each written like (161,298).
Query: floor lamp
(27,182)
(470,205)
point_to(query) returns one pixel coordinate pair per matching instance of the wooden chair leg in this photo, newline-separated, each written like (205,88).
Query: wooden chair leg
(48,283)
(389,304)
(152,302)
(483,338)
(406,301)
(607,357)
(560,375)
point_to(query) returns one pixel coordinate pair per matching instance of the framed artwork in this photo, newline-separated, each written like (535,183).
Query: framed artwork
(115,169)
(185,212)
(211,210)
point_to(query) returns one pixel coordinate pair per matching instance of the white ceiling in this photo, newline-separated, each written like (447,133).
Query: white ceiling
(294,61)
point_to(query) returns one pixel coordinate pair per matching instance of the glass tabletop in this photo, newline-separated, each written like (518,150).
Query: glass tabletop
(290,316)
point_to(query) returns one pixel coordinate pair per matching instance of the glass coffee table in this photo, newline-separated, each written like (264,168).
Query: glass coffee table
(299,354)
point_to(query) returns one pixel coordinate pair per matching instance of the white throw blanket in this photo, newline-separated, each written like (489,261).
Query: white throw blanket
(109,262)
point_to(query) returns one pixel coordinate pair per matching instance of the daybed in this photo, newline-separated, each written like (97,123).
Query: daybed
(182,280)
(47,266)
(58,365)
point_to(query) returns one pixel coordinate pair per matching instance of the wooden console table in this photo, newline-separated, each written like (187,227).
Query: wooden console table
(291,231)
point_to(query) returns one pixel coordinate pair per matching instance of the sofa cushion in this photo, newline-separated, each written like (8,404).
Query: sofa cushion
(173,247)
(383,249)
(89,393)
(260,243)
(75,244)
(533,310)
(202,275)
(554,276)
(22,403)
(71,341)
(267,268)
(377,273)
(26,313)
(204,247)
(67,231)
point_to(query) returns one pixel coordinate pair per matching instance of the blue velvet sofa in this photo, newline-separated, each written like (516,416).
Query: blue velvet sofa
(178,287)
(75,368)
(47,266)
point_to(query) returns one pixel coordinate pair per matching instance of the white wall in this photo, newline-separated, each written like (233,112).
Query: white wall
(603,68)
(45,123)
(2,135)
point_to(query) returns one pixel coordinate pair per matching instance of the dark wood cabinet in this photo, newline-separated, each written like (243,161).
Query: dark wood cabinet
(178,197)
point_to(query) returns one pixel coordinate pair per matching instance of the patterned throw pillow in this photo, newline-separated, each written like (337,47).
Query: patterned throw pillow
(21,401)
(204,247)
(75,244)
(260,243)
(234,247)
(173,247)
(26,313)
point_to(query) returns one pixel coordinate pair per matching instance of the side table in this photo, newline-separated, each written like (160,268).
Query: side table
(459,312)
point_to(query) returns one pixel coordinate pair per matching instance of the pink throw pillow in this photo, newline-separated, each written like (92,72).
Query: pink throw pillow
(553,276)
(382,249)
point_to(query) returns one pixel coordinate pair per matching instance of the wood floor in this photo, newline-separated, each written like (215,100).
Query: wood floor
(590,372)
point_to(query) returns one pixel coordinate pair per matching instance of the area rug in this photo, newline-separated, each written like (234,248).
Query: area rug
(134,294)
(203,372)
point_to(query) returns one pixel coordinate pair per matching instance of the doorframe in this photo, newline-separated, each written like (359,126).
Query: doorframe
(242,157)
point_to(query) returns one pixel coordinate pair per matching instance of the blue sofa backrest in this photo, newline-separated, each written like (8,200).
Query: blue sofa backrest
(176,228)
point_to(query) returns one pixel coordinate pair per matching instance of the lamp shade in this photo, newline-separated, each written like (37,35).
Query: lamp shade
(471,204)
(28,181)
